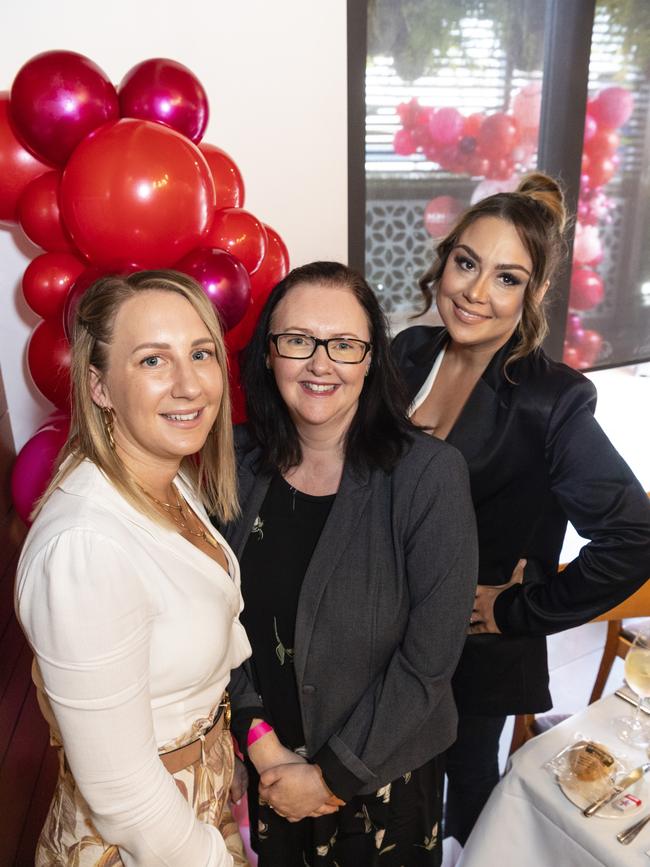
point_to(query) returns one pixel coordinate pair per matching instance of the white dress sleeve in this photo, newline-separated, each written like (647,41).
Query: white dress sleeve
(88,618)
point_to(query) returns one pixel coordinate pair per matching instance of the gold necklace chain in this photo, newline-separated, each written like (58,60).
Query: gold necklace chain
(182,521)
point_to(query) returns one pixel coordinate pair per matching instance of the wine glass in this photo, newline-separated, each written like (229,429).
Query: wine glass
(631,729)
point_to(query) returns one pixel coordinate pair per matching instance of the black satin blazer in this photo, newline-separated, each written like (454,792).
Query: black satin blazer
(537,458)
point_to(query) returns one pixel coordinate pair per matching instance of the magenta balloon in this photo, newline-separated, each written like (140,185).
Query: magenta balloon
(224,280)
(612,107)
(34,465)
(167,92)
(57,98)
(446,126)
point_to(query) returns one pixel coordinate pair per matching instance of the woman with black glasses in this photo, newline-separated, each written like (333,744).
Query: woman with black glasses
(358,551)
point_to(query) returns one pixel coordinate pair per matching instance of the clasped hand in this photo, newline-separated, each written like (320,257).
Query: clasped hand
(482,619)
(295,791)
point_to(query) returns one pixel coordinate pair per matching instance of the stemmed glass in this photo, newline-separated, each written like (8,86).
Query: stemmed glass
(631,729)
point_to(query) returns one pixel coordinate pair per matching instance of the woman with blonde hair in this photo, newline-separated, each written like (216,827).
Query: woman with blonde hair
(536,457)
(128,596)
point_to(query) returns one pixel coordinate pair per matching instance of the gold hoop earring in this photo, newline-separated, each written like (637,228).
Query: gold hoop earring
(108,417)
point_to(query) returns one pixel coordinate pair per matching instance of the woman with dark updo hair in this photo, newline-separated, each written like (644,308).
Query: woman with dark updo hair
(537,458)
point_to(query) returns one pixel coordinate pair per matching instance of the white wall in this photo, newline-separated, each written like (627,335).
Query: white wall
(275,74)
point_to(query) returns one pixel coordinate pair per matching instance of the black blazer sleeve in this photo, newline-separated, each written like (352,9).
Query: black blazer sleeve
(437,536)
(598,493)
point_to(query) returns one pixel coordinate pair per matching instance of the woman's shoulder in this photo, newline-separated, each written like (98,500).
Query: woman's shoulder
(549,381)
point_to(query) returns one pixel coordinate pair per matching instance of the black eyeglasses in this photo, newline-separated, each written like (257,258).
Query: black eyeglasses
(342,350)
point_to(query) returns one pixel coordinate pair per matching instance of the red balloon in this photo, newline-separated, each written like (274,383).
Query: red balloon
(17,166)
(48,359)
(571,356)
(602,170)
(46,282)
(446,126)
(35,464)
(440,214)
(274,267)
(587,289)
(228,182)
(473,123)
(603,143)
(591,128)
(224,280)
(403,143)
(83,281)
(57,98)
(167,92)
(40,217)
(238,232)
(498,135)
(136,193)
(612,107)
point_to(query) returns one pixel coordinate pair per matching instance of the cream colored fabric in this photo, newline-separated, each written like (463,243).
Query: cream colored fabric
(135,631)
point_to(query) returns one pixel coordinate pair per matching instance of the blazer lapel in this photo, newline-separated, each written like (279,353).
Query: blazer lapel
(340,527)
(419,362)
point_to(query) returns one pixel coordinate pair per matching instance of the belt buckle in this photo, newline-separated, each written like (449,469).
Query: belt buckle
(227,713)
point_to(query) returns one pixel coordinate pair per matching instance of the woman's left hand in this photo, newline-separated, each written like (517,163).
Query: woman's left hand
(294,791)
(482,619)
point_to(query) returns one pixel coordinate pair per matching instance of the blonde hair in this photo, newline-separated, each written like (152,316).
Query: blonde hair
(536,210)
(213,475)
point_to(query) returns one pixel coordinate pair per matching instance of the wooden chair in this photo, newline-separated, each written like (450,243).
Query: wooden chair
(622,623)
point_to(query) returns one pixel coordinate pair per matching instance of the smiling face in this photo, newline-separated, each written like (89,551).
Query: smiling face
(481,292)
(162,381)
(320,394)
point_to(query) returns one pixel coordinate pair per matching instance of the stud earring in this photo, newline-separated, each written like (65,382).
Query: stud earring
(108,417)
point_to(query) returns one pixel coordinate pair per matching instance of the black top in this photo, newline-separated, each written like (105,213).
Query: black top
(273,566)
(536,457)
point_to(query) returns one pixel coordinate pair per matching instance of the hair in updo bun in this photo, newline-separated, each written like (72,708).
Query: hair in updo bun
(536,210)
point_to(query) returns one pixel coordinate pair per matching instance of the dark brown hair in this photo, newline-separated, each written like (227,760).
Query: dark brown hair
(536,210)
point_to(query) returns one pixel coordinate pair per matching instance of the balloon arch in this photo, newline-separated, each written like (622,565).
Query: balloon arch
(111,180)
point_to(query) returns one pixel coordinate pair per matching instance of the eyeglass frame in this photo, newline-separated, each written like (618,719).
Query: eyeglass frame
(318,341)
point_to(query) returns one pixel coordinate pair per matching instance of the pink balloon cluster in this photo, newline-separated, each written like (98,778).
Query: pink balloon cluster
(609,110)
(491,146)
(112,179)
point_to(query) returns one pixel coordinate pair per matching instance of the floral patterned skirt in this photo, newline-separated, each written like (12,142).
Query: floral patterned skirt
(69,838)
(397,826)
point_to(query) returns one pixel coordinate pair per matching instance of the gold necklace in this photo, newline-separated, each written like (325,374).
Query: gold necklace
(182,519)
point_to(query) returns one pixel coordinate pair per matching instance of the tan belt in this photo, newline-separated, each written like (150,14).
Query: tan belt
(194,752)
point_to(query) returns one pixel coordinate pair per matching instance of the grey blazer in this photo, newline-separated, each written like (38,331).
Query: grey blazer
(382,615)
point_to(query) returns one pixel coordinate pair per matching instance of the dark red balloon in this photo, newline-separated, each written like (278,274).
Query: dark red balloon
(498,134)
(17,166)
(136,193)
(237,397)
(40,217)
(57,98)
(228,181)
(48,359)
(590,347)
(274,267)
(167,92)
(238,232)
(83,281)
(224,280)
(47,280)
(35,463)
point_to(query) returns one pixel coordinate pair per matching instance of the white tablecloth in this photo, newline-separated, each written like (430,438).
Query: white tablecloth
(528,822)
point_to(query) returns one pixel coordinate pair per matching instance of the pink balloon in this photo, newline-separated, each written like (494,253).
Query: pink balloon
(591,128)
(224,280)
(612,107)
(403,143)
(446,126)
(57,98)
(587,247)
(527,104)
(440,214)
(167,92)
(35,463)
(587,289)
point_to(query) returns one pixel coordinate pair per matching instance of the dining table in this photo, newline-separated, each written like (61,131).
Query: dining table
(530,822)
